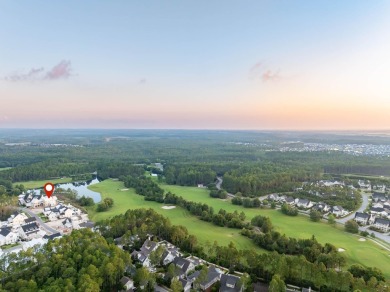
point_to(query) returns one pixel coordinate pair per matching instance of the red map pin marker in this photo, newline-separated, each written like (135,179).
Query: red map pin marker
(49,189)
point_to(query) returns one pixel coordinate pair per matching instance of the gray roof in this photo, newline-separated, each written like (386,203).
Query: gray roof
(52,236)
(88,224)
(31,219)
(378,195)
(379,210)
(303,201)
(160,289)
(231,281)
(124,280)
(148,246)
(5,231)
(382,221)
(290,199)
(362,215)
(31,227)
(183,264)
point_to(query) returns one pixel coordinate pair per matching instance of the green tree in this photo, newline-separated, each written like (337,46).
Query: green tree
(176,285)
(201,278)
(331,219)
(351,226)
(155,256)
(277,284)
(315,216)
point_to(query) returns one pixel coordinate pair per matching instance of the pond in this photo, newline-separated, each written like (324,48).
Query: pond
(81,188)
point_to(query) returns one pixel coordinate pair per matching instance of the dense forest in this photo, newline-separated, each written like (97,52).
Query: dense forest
(82,261)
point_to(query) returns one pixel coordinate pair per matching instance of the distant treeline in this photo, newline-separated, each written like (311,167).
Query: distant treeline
(61,168)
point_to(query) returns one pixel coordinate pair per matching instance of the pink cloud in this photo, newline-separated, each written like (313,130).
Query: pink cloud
(260,71)
(60,71)
(33,74)
(270,76)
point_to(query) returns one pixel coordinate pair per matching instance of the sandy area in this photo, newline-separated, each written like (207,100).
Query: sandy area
(168,207)
(124,190)
(362,239)
(341,249)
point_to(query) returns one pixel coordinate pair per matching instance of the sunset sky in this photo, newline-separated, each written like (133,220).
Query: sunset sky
(195,64)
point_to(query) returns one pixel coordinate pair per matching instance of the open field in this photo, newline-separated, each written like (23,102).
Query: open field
(124,200)
(4,168)
(40,183)
(367,176)
(365,253)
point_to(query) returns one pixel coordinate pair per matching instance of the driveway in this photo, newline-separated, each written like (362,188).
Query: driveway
(43,224)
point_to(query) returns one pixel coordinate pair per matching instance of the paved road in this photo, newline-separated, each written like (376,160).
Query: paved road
(384,236)
(218,185)
(365,196)
(43,224)
(363,207)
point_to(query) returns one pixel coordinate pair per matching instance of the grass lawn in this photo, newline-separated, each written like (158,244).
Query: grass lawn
(40,183)
(4,168)
(367,176)
(124,200)
(366,253)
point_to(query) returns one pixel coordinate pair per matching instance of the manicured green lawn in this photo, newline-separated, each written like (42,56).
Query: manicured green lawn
(124,200)
(365,253)
(40,183)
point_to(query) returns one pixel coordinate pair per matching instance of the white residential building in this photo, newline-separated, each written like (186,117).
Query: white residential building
(7,236)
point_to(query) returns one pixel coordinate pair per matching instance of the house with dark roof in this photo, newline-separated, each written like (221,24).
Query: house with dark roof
(382,224)
(167,257)
(88,224)
(379,197)
(321,207)
(362,218)
(7,236)
(290,200)
(67,223)
(184,266)
(378,211)
(28,230)
(213,276)
(127,283)
(53,236)
(29,220)
(230,283)
(143,255)
(338,211)
(303,203)
(186,284)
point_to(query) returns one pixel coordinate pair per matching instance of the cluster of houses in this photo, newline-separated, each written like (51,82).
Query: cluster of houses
(34,200)
(18,228)
(62,217)
(306,204)
(379,214)
(184,268)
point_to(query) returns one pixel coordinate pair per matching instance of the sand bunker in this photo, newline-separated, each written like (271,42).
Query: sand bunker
(362,239)
(341,249)
(124,190)
(168,207)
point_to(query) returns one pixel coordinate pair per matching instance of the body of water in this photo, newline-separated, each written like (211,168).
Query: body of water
(81,188)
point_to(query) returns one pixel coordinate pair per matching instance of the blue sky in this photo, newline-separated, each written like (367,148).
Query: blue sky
(232,64)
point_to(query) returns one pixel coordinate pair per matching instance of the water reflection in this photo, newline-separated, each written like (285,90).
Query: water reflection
(81,188)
